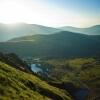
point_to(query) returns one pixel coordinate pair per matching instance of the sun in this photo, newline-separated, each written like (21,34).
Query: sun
(13,12)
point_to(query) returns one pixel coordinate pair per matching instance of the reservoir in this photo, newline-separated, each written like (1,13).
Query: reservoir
(35,69)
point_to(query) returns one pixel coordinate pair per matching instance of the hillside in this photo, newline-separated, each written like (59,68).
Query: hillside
(94,30)
(82,72)
(15,61)
(10,31)
(16,85)
(62,44)
(67,78)
(22,29)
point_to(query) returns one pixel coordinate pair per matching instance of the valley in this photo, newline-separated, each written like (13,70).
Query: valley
(49,49)
(54,66)
(74,76)
(76,72)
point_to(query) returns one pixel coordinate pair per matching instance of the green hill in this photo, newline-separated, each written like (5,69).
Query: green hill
(18,85)
(15,61)
(62,44)
(82,72)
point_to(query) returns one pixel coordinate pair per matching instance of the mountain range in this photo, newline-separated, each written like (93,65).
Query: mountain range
(8,32)
(69,58)
(22,29)
(94,30)
(60,44)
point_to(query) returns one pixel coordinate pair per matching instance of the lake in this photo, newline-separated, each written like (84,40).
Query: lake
(35,69)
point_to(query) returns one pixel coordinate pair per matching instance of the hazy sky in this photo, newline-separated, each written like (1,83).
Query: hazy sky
(79,13)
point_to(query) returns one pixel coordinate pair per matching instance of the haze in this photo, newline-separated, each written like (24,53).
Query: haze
(55,13)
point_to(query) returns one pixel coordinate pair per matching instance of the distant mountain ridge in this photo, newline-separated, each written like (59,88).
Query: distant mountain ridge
(61,44)
(22,29)
(94,30)
(8,32)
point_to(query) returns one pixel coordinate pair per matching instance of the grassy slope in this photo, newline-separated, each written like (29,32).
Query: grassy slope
(62,44)
(16,85)
(84,69)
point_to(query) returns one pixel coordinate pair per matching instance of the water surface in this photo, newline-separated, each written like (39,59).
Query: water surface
(35,69)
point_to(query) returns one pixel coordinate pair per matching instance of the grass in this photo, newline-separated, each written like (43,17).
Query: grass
(70,69)
(16,85)
(82,72)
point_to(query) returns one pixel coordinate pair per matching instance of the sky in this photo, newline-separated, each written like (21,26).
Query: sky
(53,13)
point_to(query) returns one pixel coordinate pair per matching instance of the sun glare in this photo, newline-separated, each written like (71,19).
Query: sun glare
(39,12)
(12,12)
